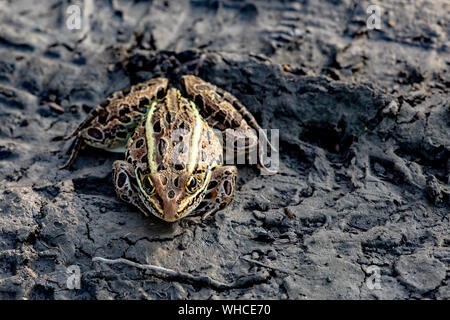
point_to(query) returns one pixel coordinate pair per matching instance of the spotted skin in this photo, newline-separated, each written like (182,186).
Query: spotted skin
(110,124)
(220,191)
(160,151)
(173,157)
(224,111)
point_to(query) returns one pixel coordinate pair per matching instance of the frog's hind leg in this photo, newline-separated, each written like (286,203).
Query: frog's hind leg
(109,125)
(220,191)
(86,122)
(224,111)
(75,140)
(250,119)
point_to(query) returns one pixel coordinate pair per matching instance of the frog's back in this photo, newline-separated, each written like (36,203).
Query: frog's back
(176,137)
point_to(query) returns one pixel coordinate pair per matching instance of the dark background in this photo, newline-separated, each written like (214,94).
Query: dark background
(364,148)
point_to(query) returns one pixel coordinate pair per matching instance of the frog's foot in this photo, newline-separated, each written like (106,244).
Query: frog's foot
(123,176)
(219,191)
(74,148)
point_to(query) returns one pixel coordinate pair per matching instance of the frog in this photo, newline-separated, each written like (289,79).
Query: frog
(173,162)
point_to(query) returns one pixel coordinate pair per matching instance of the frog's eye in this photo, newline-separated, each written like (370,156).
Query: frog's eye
(191,184)
(148,184)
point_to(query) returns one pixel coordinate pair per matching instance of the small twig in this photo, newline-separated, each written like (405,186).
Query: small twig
(242,282)
(56,107)
(266,266)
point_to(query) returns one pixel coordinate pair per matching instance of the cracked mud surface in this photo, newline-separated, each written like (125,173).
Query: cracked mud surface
(364,149)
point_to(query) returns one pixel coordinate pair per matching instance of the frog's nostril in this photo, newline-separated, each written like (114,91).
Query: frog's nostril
(171,194)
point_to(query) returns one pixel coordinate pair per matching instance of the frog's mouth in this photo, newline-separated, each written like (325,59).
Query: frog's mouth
(171,211)
(192,204)
(150,206)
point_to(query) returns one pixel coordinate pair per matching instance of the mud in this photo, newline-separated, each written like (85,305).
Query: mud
(362,193)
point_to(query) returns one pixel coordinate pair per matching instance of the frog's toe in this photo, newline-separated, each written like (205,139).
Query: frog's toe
(72,146)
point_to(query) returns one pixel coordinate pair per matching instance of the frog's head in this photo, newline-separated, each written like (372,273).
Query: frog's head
(171,195)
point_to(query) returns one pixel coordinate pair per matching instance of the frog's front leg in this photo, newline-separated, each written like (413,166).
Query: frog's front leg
(110,124)
(125,186)
(219,191)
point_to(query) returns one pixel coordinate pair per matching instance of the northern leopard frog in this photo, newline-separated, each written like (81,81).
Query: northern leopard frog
(173,158)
